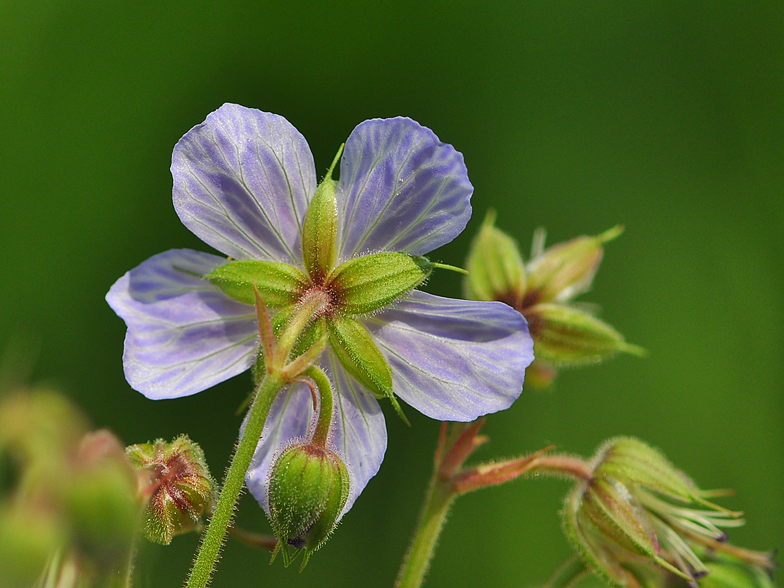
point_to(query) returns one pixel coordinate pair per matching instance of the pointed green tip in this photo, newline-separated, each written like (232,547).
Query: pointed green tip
(632,349)
(305,559)
(611,234)
(489,218)
(398,410)
(335,161)
(452,268)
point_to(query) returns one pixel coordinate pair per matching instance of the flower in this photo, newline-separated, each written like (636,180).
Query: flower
(243,182)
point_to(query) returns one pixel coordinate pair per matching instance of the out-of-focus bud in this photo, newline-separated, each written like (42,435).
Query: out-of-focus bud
(101,500)
(566,270)
(566,335)
(541,290)
(308,490)
(28,537)
(637,511)
(176,484)
(736,575)
(495,266)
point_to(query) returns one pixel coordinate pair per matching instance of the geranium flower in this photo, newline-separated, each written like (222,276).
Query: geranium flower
(243,181)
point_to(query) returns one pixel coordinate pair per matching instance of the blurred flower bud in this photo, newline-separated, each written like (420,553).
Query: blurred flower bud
(176,483)
(308,490)
(566,335)
(637,509)
(541,290)
(495,266)
(566,270)
(28,537)
(101,500)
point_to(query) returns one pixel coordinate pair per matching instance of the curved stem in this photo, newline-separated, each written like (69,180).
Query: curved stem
(213,537)
(563,465)
(321,435)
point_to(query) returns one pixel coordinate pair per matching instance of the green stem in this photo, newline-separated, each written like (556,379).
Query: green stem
(213,537)
(571,572)
(321,435)
(310,307)
(417,561)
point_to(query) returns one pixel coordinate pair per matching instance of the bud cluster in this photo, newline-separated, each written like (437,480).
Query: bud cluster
(74,505)
(637,520)
(542,290)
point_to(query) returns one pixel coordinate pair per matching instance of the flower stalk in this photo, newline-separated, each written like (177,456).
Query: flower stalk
(214,536)
(451,479)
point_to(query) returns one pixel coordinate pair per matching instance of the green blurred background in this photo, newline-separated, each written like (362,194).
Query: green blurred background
(664,116)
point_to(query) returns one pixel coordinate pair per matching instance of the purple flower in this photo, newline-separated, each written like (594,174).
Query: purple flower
(242,183)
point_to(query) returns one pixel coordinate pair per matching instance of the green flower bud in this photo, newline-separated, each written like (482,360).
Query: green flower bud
(495,267)
(622,517)
(101,500)
(565,335)
(179,486)
(368,283)
(319,231)
(308,490)
(279,284)
(565,270)
(28,538)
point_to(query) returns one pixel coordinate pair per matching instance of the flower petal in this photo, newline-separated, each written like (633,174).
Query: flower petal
(454,359)
(358,435)
(184,334)
(400,189)
(242,183)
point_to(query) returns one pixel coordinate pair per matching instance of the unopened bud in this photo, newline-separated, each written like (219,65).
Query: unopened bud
(28,537)
(179,486)
(565,270)
(308,490)
(566,335)
(101,499)
(495,267)
(637,507)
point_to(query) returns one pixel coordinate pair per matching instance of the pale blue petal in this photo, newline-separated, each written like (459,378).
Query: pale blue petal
(358,433)
(451,359)
(184,335)
(400,189)
(242,183)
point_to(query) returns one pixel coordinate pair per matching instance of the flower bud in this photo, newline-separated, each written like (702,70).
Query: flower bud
(178,484)
(308,490)
(565,335)
(637,508)
(495,267)
(563,271)
(28,537)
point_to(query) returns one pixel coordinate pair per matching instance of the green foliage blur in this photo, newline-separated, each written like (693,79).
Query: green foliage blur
(665,116)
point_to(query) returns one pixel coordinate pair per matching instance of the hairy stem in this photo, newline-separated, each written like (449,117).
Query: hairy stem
(213,537)
(562,465)
(438,499)
(321,434)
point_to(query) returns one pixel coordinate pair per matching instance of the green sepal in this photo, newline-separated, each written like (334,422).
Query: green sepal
(495,266)
(358,354)
(368,283)
(319,231)
(563,271)
(565,335)
(279,284)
